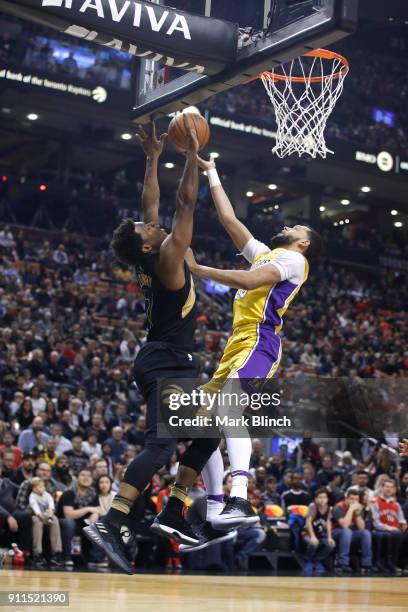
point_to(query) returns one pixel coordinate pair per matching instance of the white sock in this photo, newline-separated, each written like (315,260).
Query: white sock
(212,475)
(239,452)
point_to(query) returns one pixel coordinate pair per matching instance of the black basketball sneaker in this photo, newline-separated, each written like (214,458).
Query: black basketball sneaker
(208,536)
(173,526)
(109,539)
(238,512)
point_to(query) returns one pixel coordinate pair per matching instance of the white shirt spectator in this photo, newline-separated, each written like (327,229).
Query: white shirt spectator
(41,503)
(38,404)
(64,445)
(91,449)
(128,354)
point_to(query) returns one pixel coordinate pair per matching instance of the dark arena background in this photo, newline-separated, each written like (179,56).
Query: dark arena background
(76,79)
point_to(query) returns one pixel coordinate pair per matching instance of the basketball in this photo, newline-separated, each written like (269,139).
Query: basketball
(179,126)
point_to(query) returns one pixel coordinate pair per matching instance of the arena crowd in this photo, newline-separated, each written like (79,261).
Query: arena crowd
(71,420)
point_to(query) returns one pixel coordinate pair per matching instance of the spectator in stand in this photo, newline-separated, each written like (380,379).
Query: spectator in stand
(333,489)
(51,416)
(270,495)
(56,369)
(104,494)
(95,383)
(254,494)
(286,481)
(347,465)
(63,443)
(15,524)
(50,455)
(319,541)
(43,509)
(26,470)
(129,350)
(120,415)
(295,495)
(390,526)
(68,426)
(24,415)
(61,474)
(8,445)
(74,507)
(38,402)
(325,474)
(77,421)
(117,444)
(78,459)
(349,528)
(8,462)
(91,445)
(257,452)
(33,435)
(309,478)
(101,469)
(136,434)
(309,359)
(77,372)
(43,471)
(379,481)
(361,482)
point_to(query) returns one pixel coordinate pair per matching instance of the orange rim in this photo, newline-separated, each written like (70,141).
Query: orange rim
(322,53)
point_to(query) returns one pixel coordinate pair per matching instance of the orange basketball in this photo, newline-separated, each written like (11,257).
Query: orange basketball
(178,130)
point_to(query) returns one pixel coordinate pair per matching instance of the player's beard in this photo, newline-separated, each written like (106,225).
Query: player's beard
(280,240)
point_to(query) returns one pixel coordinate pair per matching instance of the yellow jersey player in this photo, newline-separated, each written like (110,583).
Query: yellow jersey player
(265,292)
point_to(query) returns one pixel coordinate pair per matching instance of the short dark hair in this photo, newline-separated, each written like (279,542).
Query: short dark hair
(85,469)
(351,492)
(271,479)
(320,492)
(315,247)
(126,244)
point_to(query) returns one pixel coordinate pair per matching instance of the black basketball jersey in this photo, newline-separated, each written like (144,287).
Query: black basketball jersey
(319,522)
(171,315)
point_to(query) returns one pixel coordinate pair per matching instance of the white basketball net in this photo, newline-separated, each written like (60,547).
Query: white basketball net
(303,105)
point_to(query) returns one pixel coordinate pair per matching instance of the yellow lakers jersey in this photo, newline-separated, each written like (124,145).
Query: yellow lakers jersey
(267,305)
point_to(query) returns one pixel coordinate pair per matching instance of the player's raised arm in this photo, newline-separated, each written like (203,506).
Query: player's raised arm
(174,248)
(238,232)
(153,148)
(237,279)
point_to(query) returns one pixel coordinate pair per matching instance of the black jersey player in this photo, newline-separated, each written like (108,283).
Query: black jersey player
(165,279)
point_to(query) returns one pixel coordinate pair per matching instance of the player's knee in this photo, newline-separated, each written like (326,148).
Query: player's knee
(160,450)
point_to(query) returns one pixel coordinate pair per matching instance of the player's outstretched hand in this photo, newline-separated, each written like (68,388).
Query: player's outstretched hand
(404,448)
(151,145)
(206,165)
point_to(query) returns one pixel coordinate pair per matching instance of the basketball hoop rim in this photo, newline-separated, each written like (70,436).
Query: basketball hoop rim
(323,54)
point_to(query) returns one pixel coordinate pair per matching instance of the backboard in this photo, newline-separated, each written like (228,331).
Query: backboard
(273,32)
